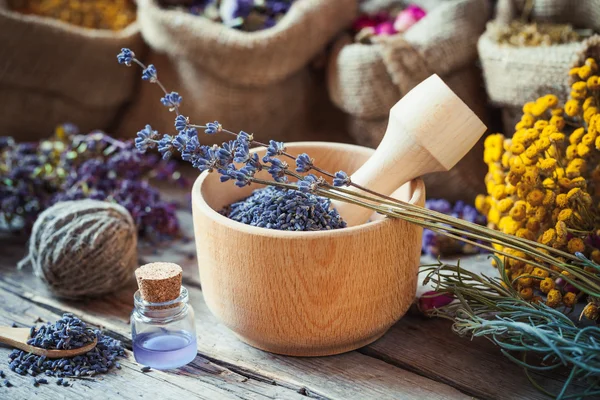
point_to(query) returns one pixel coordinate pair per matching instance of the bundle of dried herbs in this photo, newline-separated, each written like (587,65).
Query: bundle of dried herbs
(73,166)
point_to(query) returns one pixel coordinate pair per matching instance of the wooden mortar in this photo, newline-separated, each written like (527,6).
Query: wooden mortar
(306,293)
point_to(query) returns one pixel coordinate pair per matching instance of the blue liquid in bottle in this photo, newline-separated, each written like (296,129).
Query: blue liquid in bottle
(164,349)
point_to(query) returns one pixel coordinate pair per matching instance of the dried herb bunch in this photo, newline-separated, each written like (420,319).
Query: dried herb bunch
(73,166)
(543,184)
(531,334)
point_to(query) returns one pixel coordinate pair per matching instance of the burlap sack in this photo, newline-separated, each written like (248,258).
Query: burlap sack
(367,80)
(53,72)
(516,75)
(259,82)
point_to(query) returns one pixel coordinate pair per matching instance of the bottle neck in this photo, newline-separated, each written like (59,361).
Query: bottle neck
(161,311)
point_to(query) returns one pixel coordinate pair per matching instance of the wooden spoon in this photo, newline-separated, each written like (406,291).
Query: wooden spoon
(17,337)
(430,129)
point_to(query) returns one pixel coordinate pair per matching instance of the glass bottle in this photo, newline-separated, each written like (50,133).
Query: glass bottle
(163,334)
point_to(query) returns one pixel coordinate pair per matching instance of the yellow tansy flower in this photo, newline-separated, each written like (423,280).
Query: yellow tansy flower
(593,82)
(589,102)
(517,148)
(548,237)
(575,137)
(591,312)
(554,298)
(527,108)
(557,137)
(535,197)
(505,205)
(547,165)
(533,224)
(519,211)
(569,299)
(584,73)
(576,245)
(525,233)
(565,215)
(526,293)
(546,285)
(572,108)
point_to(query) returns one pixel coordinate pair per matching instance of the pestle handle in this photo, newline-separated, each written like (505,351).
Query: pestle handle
(429,130)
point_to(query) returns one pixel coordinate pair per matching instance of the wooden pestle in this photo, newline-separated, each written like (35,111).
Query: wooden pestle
(429,130)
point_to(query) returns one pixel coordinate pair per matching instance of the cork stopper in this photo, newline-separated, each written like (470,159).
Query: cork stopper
(159,282)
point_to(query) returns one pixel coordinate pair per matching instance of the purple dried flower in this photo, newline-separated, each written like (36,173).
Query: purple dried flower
(275,149)
(166,146)
(149,74)
(341,179)
(310,183)
(171,100)
(244,137)
(243,177)
(125,56)
(181,123)
(277,169)
(146,139)
(213,127)
(304,163)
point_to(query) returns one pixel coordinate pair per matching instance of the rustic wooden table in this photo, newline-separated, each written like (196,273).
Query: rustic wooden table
(419,358)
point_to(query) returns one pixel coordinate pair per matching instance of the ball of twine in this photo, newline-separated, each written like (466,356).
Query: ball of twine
(83,248)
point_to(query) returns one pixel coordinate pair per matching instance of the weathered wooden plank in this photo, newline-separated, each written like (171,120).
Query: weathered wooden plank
(348,376)
(201,379)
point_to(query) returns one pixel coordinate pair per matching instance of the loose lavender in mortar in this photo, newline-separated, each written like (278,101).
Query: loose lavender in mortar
(69,332)
(287,210)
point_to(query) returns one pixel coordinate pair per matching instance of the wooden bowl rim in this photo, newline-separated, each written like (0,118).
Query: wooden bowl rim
(198,201)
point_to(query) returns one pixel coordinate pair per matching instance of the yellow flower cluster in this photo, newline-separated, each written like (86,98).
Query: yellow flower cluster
(543,184)
(94,14)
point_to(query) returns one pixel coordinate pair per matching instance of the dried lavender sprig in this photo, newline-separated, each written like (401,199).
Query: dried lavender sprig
(341,179)
(211,158)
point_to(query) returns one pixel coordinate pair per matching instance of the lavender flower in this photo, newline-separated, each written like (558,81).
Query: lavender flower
(181,123)
(145,139)
(304,163)
(222,158)
(208,159)
(125,56)
(275,149)
(244,137)
(171,100)
(341,179)
(243,177)
(166,146)
(277,169)
(149,74)
(213,127)
(310,183)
